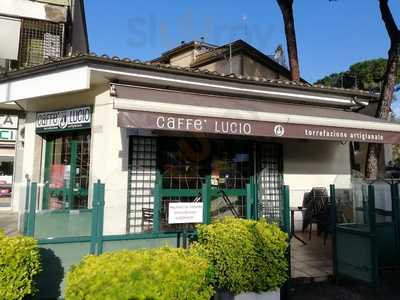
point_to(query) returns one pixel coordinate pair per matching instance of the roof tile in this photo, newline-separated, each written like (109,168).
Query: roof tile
(191,70)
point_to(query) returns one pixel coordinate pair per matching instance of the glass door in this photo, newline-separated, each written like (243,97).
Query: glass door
(231,169)
(67,171)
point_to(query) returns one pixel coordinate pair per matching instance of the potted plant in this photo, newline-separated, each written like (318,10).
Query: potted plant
(158,274)
(248,258)
(19,267)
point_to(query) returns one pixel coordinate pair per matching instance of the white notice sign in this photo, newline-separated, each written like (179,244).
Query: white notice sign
(185,213)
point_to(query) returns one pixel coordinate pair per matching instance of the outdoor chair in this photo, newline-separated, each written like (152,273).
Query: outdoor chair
(316,210)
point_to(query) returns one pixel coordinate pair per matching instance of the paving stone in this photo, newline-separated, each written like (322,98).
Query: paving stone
(9,222)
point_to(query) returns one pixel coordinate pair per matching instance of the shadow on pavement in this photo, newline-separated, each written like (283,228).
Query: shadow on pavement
(389,289)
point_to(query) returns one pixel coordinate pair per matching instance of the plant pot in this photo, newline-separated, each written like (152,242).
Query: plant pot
(224,295)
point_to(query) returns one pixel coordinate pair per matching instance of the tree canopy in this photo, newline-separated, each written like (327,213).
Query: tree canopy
(366,75)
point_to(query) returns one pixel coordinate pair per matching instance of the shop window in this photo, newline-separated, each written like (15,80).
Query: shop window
(67,171)
(6,178)
(231,167)
(184,163)
(6,166)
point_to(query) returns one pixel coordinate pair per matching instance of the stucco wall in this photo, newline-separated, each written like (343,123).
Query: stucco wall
(25,160)
(223,66)
(183,59)
(253,68)
(109,162)
(244,65)
(309,164)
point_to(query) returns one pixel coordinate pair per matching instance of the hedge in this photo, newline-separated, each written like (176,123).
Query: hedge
(245,255)
(158,274)
(19,264)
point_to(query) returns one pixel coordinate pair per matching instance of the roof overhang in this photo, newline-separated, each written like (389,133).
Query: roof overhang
(45,84)
(83,72)
(168,110)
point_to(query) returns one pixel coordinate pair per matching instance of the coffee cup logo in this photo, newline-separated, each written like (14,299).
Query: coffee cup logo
(63,120)
(279,130)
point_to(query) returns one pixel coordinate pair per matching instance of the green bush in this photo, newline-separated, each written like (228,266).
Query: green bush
(19,264)
(245,255)
(164,274)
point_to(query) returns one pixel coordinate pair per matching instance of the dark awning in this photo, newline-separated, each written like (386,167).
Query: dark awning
(178,111)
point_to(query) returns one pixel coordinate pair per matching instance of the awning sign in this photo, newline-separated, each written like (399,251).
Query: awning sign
(185,213)
(8,135)
(226,126)
(8,121)
(76,118)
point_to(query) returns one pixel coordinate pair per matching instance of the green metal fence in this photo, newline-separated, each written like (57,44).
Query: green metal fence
(367,241)
(66,236)
(207,194)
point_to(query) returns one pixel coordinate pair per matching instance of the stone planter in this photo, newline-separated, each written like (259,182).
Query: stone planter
(223,295)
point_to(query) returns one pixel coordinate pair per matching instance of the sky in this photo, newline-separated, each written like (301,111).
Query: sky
(331,35)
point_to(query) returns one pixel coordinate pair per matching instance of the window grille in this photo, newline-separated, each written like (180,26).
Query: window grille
(270,182)
(40,42)
(142,178)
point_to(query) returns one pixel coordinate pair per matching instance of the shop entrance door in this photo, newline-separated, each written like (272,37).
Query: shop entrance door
(67,171)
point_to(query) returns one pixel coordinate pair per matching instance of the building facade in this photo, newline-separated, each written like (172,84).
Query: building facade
(132,124)
(37,32)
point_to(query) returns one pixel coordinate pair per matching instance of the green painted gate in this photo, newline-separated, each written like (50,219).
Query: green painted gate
(367,234)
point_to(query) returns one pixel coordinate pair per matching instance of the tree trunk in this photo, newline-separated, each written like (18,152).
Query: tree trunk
(372,166)
(290,32)
(389,83)
(383,110)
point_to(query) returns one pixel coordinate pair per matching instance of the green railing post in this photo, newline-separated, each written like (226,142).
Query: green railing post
(394,190)
(333,217)
(67,196)
(255,198)
(93,237)
(286,209)
(96,240)
(100,214)
(32,210)
(26,213)
(372,229)
(286,227)
(250,199)
(206,199)
(157,203)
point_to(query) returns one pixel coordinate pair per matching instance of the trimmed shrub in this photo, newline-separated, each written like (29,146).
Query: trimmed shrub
(158,274)
(245,255)
(19,264)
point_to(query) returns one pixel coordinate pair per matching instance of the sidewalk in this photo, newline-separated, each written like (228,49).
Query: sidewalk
(348,290)
(8,222)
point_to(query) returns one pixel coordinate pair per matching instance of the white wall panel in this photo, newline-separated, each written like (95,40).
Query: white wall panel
(54,83)
(10,30)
